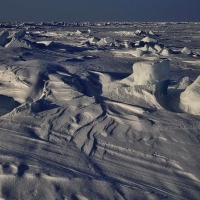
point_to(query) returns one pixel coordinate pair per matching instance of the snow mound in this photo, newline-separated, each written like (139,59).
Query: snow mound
(149,81)
(139,32)
(93,40)
(145,48)
(106,41)
(151,33)
(186,51)
(183,83)
(190,98)
(128,52)
(148,48)
(18,43)
(78,32)
(158,48)
(151,72)
(128,44)
(136,53)
(4,38)
(149,40)
(166,52)
(22,85)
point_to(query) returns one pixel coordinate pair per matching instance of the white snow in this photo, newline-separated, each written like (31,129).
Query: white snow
(93,40)
(149,40)
(166,52)
(78,32)
(139,32)
(183,83)
(151,72)
(106,41)
(190,98)
(158,48)
(17,43)
(151,33)
(128,52)
(100,114)
(186,51)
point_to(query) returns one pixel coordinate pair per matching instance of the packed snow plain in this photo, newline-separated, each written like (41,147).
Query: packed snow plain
(100,111)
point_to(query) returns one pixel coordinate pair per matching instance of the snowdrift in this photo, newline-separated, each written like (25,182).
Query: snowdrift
(190,98)
(77,122)
(151,72)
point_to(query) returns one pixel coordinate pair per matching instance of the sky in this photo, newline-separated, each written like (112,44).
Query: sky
(100,10)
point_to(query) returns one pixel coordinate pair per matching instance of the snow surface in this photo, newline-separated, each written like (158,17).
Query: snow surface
(186,51)
(189,99)
(149,40)
(149,72)
(99,114)
(3,37)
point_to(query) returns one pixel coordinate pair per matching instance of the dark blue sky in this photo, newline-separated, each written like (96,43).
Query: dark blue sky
(99,10)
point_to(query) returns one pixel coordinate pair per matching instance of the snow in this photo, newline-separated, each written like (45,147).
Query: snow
(149,40)
(166,52)
(151,33)
(16,43)
(158,48)
(128,44)
(93,40)
(107,114)
(190,98)
(151,72)
(139,32)
(46,43)
(106,41)
(186,51)
(183,83)
(135,53)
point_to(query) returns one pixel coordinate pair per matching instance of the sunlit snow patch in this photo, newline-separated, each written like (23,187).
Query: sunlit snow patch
(186,51)
(190,98)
